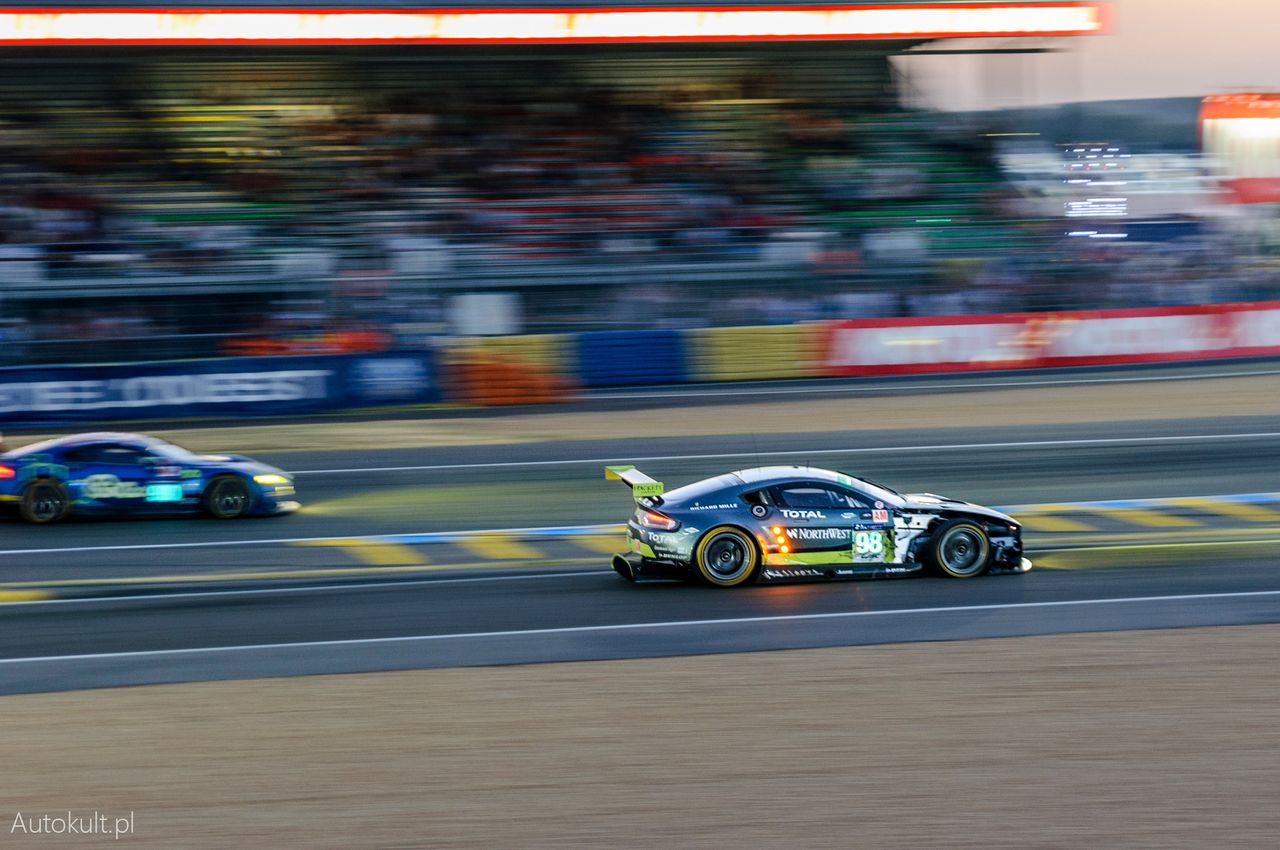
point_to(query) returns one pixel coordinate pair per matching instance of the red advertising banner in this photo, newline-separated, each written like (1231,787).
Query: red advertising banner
(1043,340)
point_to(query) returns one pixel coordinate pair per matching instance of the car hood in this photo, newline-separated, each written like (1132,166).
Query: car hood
(240,463)
(933,502)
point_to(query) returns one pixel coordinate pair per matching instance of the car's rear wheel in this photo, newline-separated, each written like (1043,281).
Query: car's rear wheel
(227,497)
(726,557)
(44,501)
(961,549)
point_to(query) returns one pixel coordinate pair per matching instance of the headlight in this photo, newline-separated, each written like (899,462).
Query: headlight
(270,478)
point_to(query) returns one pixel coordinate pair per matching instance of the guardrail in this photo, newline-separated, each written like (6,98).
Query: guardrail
(536,369)
(884,346)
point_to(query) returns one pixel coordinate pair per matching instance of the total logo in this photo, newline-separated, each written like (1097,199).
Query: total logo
(803,514)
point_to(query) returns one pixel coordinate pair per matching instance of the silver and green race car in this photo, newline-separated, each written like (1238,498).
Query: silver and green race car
(793,523)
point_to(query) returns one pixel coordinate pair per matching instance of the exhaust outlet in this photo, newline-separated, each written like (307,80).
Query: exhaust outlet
(622,567)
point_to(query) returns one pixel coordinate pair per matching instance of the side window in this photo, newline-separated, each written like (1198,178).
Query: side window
(105,453)
(816,496)
(852,500)
(84,454)
(757,497)
(806,496)
(122,454)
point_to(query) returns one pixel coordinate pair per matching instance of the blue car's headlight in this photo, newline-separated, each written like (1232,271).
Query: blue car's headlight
(270,478)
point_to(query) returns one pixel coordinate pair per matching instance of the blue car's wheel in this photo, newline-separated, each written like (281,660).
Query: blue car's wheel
(227,497)
(44,501)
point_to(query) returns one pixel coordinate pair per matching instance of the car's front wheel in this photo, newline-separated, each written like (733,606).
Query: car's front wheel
(44,501)
(726,557)
(227,497)
(961,549)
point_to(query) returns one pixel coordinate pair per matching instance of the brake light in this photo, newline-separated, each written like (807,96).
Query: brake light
(653,519)
(7,472)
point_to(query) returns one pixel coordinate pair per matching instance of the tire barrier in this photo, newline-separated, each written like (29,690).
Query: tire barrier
(523,369)
(622,358)
(493,371)
(752,354)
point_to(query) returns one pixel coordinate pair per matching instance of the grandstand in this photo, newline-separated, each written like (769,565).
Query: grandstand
(207,198)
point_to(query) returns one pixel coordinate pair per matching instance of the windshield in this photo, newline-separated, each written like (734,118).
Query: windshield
(871,488)
(172,452)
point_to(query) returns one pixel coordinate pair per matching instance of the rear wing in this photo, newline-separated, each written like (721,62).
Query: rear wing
(642,486)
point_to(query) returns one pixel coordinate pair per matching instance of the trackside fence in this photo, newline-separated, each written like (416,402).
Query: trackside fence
(544,368)
(941,344)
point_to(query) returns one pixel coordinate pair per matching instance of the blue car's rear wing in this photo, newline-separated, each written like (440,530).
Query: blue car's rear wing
(642,486)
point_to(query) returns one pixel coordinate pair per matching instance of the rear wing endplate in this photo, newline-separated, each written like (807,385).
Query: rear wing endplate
(642,486)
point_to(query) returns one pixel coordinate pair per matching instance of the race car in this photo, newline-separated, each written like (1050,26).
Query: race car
(793,523)
(104,474)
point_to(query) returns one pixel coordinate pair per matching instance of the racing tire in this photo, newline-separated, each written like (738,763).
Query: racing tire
(227,497)
(44,501)
(960,549)
(726,557)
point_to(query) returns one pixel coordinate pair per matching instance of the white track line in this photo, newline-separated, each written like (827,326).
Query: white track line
(617,627)
(1037,444)
(316,588)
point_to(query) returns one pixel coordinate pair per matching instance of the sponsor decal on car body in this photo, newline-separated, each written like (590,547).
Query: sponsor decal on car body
(793,514)
(104,486)
(796,573)
(839,535)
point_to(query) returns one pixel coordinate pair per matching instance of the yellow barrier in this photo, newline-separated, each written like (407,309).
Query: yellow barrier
(743,354)
(551,352)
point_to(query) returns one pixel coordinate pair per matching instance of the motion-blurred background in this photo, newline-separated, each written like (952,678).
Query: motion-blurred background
(511,215)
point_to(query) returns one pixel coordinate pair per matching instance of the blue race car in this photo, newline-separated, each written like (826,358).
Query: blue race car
(112,474)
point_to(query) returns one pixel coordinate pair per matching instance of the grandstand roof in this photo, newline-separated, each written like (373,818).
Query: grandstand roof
(534,21)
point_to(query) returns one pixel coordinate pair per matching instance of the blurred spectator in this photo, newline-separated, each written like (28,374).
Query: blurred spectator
(769,200)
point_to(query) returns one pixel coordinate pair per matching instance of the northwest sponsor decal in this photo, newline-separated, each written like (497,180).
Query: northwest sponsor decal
(840,535)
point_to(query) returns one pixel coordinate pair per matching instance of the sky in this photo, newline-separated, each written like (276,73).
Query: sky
(1157,48)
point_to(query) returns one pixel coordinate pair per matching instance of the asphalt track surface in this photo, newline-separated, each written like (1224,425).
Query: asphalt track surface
(518,614)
